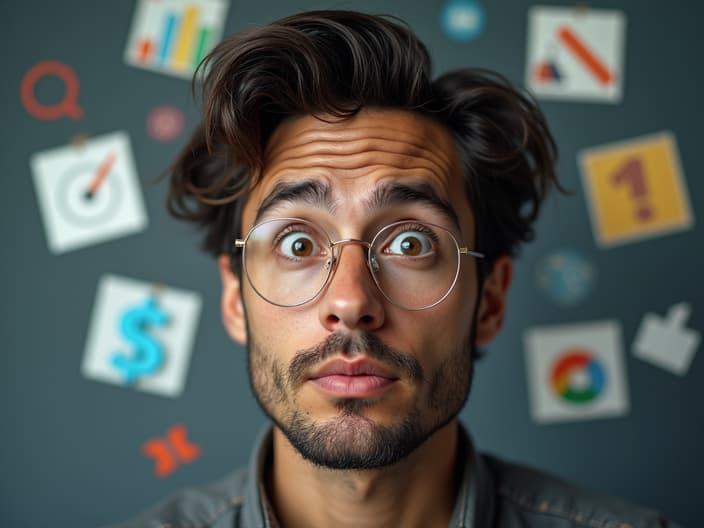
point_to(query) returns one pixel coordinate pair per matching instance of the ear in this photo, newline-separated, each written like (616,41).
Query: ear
(492,305)
(233,316)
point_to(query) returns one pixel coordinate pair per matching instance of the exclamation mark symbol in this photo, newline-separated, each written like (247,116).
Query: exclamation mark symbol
(632,174)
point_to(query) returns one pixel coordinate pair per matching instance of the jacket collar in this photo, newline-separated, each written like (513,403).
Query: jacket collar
(475,500)
(474,506)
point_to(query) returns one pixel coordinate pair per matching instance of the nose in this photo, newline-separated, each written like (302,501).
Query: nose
(351,299)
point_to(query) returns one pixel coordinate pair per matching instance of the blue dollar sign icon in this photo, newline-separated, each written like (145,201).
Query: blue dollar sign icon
(147,355)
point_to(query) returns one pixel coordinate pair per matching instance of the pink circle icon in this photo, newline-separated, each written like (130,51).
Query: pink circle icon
(165,123)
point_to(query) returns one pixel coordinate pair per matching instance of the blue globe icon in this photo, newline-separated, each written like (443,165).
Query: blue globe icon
(463,20)
(565,276)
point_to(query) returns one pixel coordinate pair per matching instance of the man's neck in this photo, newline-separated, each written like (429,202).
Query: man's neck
(418,491)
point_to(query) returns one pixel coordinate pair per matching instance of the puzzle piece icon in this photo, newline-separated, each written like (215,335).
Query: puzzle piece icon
(666,342)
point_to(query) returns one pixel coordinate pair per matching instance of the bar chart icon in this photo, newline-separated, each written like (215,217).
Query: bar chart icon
(173,36)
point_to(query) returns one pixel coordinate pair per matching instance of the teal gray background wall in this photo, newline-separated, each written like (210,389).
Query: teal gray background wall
(71,447)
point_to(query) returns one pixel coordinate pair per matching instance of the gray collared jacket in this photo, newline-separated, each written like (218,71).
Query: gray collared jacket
(493,494)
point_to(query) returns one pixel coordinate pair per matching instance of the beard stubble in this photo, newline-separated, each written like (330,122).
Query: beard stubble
(352,440)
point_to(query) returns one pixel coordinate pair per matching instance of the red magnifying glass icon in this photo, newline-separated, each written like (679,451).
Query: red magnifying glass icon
(68,106)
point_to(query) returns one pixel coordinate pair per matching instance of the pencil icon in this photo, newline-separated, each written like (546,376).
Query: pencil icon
(100,176)
(588,58)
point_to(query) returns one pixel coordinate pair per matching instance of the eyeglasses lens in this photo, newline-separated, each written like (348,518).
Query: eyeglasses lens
(288,262)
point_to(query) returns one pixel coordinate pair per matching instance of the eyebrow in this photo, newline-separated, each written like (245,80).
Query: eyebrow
(402,193)
(308,192)
(315,193)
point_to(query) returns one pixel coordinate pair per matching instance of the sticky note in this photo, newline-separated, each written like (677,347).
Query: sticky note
(635,189)
(576,372)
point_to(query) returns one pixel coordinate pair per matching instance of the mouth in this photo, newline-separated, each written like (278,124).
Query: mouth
(353,379)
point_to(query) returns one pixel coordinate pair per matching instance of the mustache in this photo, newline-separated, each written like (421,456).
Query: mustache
(350,344)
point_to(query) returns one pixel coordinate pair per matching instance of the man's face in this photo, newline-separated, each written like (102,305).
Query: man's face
(352,380)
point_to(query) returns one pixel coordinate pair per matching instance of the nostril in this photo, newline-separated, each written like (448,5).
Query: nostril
(367,319)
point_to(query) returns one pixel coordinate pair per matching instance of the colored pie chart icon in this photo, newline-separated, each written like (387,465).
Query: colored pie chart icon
(577,377)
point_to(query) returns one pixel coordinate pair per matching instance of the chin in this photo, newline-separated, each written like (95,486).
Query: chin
(352,441)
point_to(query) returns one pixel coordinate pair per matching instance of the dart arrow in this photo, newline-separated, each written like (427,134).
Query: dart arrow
(100,176)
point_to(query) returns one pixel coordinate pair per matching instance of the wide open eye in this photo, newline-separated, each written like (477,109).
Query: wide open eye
(411,243)
(298,244)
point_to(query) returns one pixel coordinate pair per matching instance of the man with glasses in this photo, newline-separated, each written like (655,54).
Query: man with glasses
(365,217)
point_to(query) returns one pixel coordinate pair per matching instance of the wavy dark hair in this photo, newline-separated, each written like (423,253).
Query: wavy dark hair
(336,63)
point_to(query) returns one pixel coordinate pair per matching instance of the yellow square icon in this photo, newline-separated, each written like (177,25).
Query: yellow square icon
(635,189)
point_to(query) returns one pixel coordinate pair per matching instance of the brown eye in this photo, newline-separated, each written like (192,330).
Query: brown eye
(302,247)
(298,245)
(411,244)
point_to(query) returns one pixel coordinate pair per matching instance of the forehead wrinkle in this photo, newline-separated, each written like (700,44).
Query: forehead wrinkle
(335,143)
(360,160)
(351,134)
(359,144)
(385,144)
(335,132)
(354,157)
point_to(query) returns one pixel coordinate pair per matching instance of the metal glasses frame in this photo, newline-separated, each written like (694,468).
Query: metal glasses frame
(372,265)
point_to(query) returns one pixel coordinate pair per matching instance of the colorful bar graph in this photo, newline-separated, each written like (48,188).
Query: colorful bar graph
(168,35)
(145,48)
(184,46)
(203,41)
(173,36)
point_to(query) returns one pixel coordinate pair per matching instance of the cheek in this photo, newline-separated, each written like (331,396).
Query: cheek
(445,330)
(459,306)
(281,331)
(463,299)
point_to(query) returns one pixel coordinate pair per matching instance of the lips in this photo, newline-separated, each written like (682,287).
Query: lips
(360,367)
(358,379)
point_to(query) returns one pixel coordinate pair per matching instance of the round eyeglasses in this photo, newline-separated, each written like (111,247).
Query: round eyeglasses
(288,261)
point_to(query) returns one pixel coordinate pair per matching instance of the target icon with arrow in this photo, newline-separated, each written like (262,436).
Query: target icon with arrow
(88,193)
